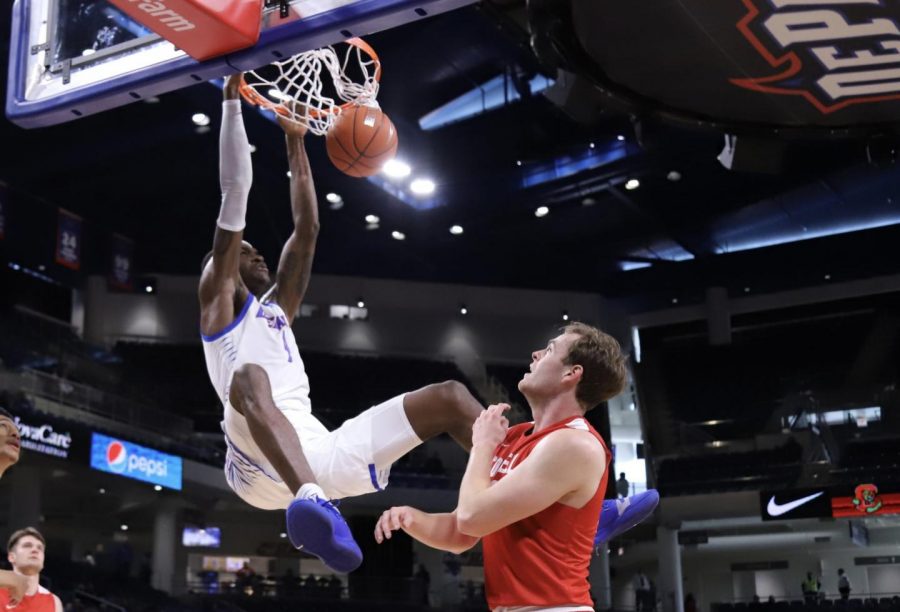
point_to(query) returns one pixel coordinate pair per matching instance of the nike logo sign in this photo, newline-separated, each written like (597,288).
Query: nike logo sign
(776,509)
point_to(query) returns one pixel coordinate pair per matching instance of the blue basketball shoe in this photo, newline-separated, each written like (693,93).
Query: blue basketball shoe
(316,526)
(620,515)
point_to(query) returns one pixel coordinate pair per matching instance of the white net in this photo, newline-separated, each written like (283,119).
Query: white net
(298,89)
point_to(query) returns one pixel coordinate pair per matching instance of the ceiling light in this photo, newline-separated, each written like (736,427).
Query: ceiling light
(277,94)
(149,288)
(674,300)
(253,148)
(87,52)
(398,235)
(518,162)
(157,488)
(372,219)
(565,315)
(152,100)
(588,202)
(746,289)
(592,145)
(828,277)
(123,527)
(372,226)
(289,174)
(203,129)
(541,211)
(620,137)
(331,197)
(463,310)
(282,535)
(395,168)
(102,491)
(360,303)
(201,119)
(632,184)
(674,175)
(456,230)
(422,186)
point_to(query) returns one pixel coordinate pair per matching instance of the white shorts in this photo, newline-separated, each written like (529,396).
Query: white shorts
(352,460)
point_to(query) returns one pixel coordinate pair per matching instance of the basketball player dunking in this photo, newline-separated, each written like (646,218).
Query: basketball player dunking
(533,491)
(279,455)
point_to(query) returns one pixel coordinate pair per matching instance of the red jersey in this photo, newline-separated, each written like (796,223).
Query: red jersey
(42,601)
(542,560)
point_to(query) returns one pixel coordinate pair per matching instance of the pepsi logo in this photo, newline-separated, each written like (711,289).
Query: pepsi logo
(116,457)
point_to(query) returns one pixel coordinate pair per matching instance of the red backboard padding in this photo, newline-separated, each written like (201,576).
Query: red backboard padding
(201,28)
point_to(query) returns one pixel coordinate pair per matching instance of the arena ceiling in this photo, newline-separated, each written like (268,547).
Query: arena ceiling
(818,209)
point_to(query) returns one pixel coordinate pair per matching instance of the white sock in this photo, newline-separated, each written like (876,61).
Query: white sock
(309,491)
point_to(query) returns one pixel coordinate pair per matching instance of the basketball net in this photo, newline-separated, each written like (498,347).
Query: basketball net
(294,88)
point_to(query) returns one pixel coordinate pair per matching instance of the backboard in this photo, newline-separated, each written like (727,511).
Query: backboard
(72,58)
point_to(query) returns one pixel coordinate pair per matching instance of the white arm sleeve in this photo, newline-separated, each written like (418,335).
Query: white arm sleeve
(235,168)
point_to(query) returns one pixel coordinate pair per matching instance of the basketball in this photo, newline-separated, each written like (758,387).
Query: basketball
(361,141)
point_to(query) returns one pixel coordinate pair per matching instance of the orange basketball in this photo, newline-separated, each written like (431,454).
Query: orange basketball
(361,141)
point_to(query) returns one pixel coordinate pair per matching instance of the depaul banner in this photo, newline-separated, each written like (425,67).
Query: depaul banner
(68,240)
(121,272)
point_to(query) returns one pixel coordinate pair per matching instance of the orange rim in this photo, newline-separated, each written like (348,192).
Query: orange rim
(254,97)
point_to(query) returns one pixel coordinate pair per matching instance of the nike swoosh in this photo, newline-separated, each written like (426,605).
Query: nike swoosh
(776,509)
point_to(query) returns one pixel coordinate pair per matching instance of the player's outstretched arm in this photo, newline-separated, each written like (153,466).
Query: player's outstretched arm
(555,469)
(435,530)
(219,283)
(16,584)
(295,265)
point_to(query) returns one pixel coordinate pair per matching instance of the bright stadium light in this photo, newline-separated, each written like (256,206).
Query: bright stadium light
(372,219)
(395,168)
(398,235)
(200,119)
(456,230)
(541,211)
(632,184)
(422,186)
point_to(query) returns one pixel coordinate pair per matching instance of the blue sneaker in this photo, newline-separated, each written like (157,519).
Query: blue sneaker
(317,527)
(620,515)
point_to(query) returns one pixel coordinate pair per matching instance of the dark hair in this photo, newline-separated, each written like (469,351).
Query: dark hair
(603,362)
(5,413)
(206,259)
(21,533)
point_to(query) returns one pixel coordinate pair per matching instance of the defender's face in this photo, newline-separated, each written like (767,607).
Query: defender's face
(27,557)
(10,443)
(547,368)
(254,271)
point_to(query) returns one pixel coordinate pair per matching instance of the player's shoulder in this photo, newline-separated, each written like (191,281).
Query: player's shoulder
(574,441)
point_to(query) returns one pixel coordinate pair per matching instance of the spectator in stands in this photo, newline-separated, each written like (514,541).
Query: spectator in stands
(810,587)
(622,486)
(26,555)
(771,600)
(690,604)
(335,587)
(10,442)
(843,585)
(244,577)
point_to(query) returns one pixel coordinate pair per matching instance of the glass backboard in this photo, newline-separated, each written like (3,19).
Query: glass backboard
(71,58)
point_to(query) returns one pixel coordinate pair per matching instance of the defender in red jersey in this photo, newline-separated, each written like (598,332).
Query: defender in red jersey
(533,492)
(26,555)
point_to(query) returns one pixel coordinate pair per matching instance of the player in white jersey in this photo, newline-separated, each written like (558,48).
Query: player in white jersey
(279,455)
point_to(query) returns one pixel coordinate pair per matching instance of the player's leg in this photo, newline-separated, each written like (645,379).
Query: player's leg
(251,395)
(445,407)
(313,522)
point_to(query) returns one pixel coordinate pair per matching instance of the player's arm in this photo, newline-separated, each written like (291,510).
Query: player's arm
(15,583)
(553,470)
(57,604)
(295,265)
(435,530)
(218,284)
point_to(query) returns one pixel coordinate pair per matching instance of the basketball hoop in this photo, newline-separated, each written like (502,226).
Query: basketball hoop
(293,88)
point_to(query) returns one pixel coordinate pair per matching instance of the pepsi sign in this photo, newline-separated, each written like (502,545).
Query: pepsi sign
(135,461)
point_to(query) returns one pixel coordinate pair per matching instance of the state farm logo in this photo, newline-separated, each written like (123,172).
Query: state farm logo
(116,457)
(832,54)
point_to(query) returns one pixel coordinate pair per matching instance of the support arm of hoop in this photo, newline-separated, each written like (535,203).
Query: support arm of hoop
(295,265)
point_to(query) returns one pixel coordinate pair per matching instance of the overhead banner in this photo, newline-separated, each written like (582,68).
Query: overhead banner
(2,213)
(121,273)
(68,240)
(759,63)
(134,461)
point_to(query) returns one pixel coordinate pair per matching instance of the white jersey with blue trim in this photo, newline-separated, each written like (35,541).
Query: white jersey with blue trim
(261,335)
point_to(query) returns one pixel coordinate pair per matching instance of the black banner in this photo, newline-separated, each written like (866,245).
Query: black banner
(794,504)
(121,272)
(790,63)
